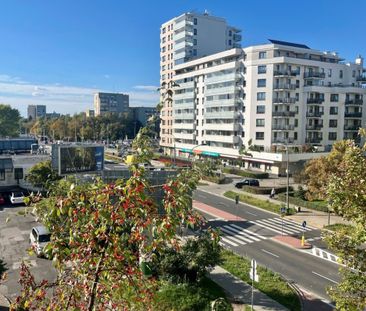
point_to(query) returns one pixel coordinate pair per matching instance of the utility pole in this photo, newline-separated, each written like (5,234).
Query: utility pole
(288,179)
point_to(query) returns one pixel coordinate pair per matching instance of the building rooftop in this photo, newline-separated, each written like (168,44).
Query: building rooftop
(296,45)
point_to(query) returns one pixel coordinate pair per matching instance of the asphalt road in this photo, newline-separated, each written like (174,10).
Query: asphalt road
(311,273)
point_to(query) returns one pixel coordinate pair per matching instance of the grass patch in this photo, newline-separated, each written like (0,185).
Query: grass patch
(315,205)
(270,283)
(189,297)
(264,204)
(243,173)
(340,227)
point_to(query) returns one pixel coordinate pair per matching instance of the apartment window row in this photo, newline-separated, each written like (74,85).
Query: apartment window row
(220,97)
(220,133)
(221,85)
(220,73)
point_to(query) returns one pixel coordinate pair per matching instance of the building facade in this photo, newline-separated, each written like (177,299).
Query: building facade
(262,97)
(89,113)
(36,112)
(142,114)
(184,38)
(110,103)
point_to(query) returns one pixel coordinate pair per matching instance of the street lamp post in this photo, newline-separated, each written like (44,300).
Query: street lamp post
(288,179)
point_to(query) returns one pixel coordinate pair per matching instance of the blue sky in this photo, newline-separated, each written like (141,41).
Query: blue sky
(59,53)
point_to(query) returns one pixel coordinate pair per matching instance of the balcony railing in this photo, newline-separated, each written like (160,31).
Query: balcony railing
(312,75)
(353,114)
(289,140)
(315,114)
(287,73)
(314,127)
(354,102)
(352,127)
(315,100)
(361,79)
(284,87)
(286,100)
(283,127)
(283,113)
(313,140)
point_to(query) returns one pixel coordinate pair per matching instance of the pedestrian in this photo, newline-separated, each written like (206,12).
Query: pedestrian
(273,192)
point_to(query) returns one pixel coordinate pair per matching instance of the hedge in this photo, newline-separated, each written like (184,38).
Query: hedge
(265,190)
(315,205)
(264,204)
(250,174)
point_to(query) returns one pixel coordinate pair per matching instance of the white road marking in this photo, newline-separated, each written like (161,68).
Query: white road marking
(324,277)
(274,255)
(250,232)
(229,242)
(241,232)
(233,234)
(251,213)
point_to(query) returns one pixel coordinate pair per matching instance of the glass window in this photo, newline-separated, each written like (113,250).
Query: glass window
(229,42)
(262,55)
(261,96)
(261,83)
(261,109)
(259,122)
(262,69)
(340,74)
(194,41)
(332,136)
(259,135)
(334,97)
(2,174)
(195,21)
(333,123)
(333,110)
(195,31)
(329,73)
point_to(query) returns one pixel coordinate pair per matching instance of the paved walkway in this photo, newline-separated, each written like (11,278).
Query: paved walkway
(241,292)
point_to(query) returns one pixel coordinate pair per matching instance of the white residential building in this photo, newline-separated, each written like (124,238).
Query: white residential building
(264,96)
(184,38)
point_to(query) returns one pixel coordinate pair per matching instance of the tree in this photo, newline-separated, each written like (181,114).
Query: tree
(317,171)
(42,175)
(102,232)
(9,121)
(346,194)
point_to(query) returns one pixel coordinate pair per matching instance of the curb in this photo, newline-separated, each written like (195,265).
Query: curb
(306,246)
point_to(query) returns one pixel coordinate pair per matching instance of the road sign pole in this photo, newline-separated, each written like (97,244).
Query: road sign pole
(282,224)
(253,275)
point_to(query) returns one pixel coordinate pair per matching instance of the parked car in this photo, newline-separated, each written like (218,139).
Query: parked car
(2,200)
(17,198)
(247,182)
(39,238)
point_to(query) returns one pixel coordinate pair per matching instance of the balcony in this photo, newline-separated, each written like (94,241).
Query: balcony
(184,126)
(231,139)
(223,126)
(231,114)
(284,87)
(361,79)
(354,102)
(317,101)
(314,75)
(183,23)
(289,140)
(286,100)
(221,90)
(282,114)
(286,73)
(221,78)
(353,115)
(313,140)
(314,127)
(184,95)
(314,114)
(190,136)
(283,127)
(221,103)
(183,44)
(184,116)
(352,127)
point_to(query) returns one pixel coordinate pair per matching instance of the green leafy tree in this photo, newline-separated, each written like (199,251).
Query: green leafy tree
(9,121)
(42,175)
(101,233)
(346,193)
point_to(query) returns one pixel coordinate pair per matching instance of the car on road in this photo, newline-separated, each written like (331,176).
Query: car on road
(247,182)
(2,200)
(17,198)
(39,238)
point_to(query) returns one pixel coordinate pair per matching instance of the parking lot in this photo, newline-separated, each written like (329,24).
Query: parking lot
(14,243)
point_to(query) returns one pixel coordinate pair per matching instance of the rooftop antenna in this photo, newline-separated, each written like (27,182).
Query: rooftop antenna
(206,13)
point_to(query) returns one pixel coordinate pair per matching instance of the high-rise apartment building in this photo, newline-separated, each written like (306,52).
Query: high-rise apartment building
(184,38)
(262,97)
(89,113)
(110,103)
(36,111)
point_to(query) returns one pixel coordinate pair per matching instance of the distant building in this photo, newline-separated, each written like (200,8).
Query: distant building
(36,111)
(53,115)
(142,114)
(90,113)
(110,103)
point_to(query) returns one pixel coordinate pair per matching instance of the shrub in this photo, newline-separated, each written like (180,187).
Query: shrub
(265,190)
(215,179)
(300,193)
(249,174)
(315,205)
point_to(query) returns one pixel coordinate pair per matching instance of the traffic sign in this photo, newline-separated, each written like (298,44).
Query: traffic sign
(253,271)
(304,224)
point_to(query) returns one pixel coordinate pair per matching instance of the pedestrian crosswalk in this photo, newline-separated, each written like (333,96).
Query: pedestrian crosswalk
(323,254)
(281,226)
(234,235)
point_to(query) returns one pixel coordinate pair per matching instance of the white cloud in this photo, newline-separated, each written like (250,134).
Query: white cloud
(62,98)
(146,87)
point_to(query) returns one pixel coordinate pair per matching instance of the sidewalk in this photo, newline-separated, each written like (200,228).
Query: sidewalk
(4,303)
(241,292)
